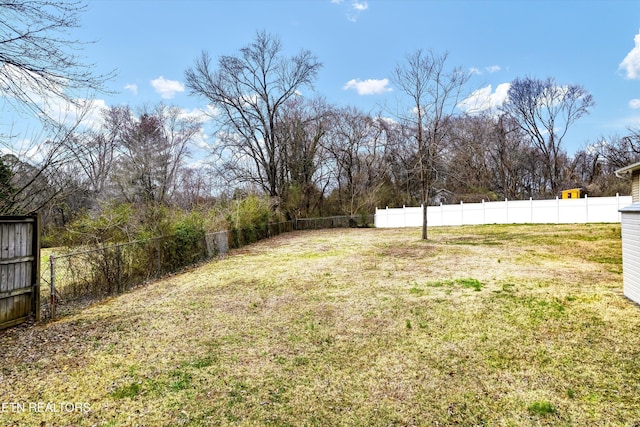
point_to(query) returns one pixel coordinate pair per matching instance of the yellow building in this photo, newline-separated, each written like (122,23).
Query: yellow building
(574,193)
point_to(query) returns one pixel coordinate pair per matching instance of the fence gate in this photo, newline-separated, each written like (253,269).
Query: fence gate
(19,269)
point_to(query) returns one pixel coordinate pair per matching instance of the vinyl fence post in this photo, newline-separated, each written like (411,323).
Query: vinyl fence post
(386,215)
(484,213)
(52,271)
(531,210)
(506,208)
(586,208)
(404,216)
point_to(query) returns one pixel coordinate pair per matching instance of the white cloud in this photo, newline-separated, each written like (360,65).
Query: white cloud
(132,87)
(26,149)
(204,116)
(368,87)
(360,6)
(354,9)
(485,99)
(93,117)
(631,63)
(635,103)
(491,69)
(167,88)
(88,112)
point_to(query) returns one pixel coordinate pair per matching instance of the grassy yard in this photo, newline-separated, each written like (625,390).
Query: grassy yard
(487,325)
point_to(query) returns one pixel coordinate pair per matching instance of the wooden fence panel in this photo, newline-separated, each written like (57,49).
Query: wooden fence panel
(19,270)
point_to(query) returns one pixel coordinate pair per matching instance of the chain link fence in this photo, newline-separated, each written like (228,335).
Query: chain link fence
(89,274)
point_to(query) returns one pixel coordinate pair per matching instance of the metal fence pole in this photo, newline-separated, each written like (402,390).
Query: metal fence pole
(119,285)
(52,270)
(158,249)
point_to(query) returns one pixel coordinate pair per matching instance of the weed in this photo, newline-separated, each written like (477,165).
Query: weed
(470,283)
(127,391)
(439,283)
(203,362)
(542,408)
(181,380)
(416,290)
(300,361)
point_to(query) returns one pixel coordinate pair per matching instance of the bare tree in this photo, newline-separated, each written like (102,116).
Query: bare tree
(596,164)
(94,151)
(545,111)
(42,73)
(304,178)
(469,169)
(356,145)
(193,188)
(37,171)
(39,61)
(249,91)
(618,151)
(152,149)
(434,92)
(510,155)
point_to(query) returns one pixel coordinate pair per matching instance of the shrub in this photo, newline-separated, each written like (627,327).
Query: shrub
(249,220)
(112,224)
(186,244)
(154,240)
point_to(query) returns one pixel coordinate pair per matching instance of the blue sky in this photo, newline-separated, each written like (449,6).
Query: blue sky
(596,44)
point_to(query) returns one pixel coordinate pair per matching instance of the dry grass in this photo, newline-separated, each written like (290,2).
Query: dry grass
(491,325)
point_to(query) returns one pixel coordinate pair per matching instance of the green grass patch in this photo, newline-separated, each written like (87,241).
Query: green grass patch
(469,283)
(127,391)
(542,408)
(180,380)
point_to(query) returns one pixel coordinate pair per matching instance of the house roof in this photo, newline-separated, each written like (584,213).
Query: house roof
(635,207)
(627,169)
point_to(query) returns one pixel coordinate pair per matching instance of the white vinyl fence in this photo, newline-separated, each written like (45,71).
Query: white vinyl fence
(553,211)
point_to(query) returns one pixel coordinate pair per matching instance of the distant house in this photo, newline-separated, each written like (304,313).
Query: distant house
(443,196)
(631,235)
(634,172)
(574,193)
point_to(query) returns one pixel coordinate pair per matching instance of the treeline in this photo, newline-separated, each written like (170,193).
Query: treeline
(142,172)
